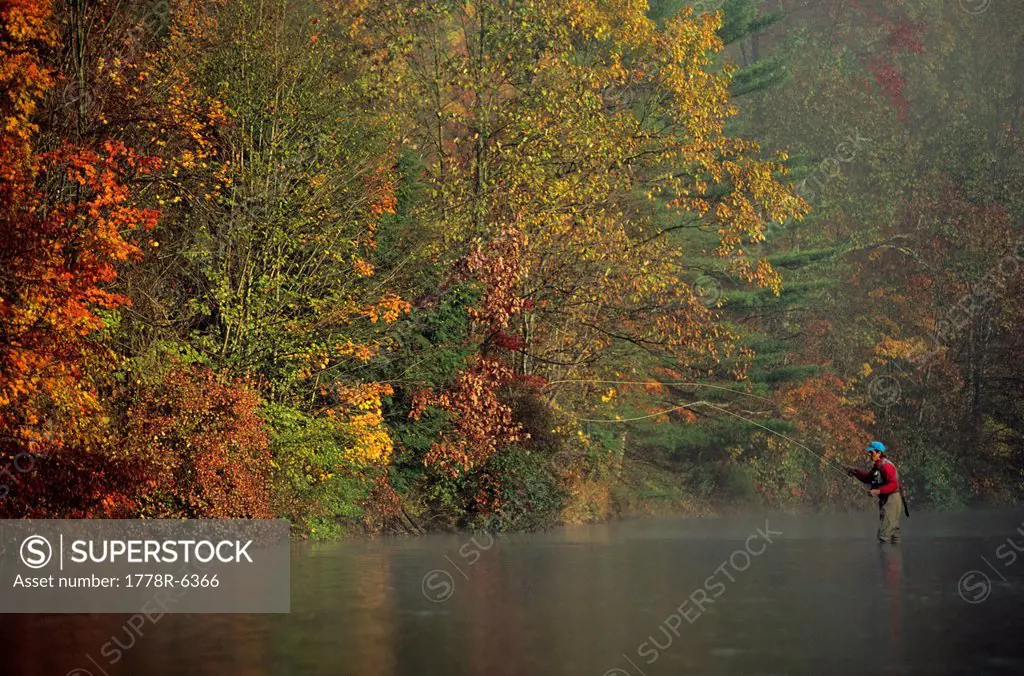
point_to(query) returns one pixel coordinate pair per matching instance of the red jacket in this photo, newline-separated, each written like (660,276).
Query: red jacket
(887,470)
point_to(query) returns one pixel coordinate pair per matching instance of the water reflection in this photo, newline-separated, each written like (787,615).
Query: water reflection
(892,571)
(824,597)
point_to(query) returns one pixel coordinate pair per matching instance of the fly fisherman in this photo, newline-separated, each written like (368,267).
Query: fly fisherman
(885,485)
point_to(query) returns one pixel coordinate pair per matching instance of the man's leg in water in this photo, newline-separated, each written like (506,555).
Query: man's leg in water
(889,515)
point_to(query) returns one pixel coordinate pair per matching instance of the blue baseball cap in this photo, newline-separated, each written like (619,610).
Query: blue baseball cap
(876,446)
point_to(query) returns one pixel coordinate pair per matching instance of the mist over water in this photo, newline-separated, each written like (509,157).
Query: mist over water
(618,598)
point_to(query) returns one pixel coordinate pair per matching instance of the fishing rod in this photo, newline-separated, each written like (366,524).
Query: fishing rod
(831,464)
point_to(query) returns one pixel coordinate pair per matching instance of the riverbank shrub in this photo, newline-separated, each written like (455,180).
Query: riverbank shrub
(317,486)
(516,490)
(203,446)
(933,479)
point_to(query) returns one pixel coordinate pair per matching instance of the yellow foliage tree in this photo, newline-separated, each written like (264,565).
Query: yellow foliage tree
(556,135)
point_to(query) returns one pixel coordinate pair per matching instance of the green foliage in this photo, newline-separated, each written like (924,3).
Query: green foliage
(735,484)
(758,77)
(750,300)
(150,365)
(528,490)
(933,477)
(781,476)
(275,261)
(432,342)
(316,485)
(703,482)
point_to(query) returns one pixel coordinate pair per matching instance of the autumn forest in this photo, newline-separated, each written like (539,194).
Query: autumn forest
(419,265)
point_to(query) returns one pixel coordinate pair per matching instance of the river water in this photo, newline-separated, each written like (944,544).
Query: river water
(756,594)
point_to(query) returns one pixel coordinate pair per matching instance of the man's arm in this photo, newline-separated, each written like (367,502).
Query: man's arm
(860,474)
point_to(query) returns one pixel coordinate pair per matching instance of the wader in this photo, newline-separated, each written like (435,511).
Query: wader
(889,509)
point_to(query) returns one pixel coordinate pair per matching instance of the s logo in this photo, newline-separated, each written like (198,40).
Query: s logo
(36,551)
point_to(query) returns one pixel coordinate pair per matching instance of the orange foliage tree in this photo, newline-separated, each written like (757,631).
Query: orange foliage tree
(202,447)
(66,218)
